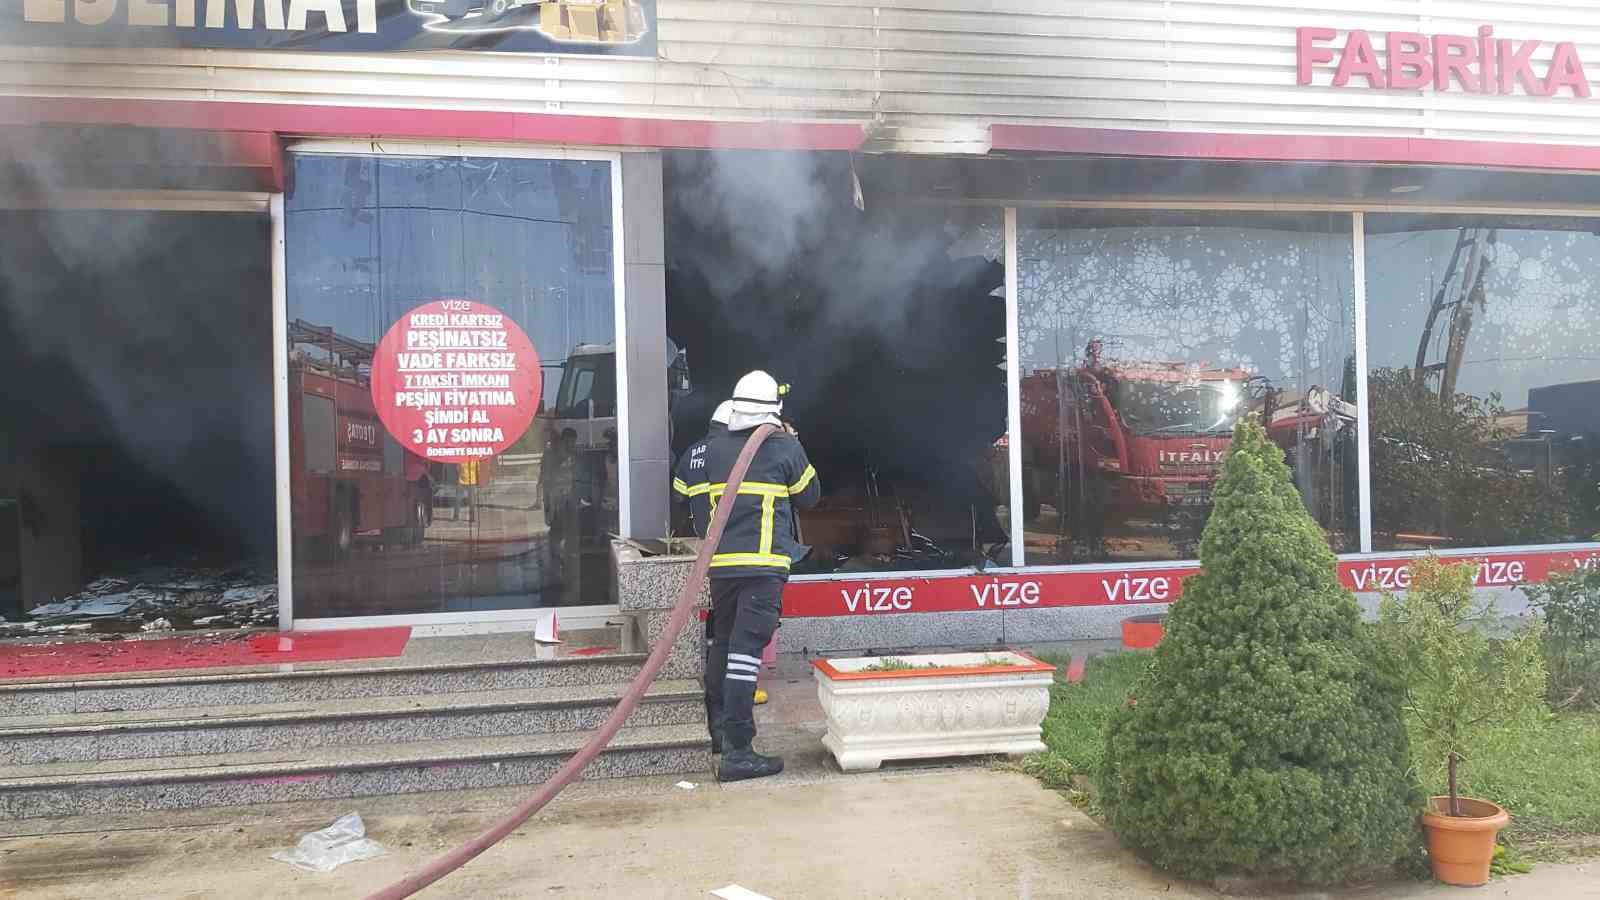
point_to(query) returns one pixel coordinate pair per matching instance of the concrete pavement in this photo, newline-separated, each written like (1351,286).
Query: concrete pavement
(931,832)
(918,833)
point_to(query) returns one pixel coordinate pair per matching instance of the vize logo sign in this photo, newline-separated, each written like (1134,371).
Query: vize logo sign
(867,598)
(1131,588)
(1002,594)
(1396,576)
(1480,64)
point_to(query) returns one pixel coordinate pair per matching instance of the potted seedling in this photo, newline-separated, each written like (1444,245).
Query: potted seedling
(1459,680)
(932,705)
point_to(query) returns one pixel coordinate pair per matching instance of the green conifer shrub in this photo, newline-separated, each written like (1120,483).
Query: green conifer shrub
(1266,738)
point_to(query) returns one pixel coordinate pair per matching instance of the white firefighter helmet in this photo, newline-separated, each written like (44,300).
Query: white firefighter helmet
(757,392)
(756,401)
(723,413)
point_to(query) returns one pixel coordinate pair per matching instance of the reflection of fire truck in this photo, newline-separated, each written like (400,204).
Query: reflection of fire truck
(348,477)
(581,416)
(1146,441)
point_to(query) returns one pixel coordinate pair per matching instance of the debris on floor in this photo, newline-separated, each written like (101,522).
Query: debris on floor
(345,841)
(157,599)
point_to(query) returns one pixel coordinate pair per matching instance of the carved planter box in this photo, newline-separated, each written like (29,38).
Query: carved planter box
(923,706)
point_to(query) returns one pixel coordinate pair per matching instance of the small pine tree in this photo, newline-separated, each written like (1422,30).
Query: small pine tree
(1266,738)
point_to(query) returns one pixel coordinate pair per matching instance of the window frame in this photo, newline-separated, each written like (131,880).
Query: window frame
(1357,211)
(438,623)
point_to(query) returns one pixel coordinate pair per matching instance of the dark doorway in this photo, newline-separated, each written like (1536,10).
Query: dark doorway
(136,416)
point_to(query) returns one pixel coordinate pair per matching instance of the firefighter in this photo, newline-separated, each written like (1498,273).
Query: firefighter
(751,564)
(689,477)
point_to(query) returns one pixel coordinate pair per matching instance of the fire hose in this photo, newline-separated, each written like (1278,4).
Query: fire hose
(569,772)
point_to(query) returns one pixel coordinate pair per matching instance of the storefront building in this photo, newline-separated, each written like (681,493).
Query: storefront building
(1026,270)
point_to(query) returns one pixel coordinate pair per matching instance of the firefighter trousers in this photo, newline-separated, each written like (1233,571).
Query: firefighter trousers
(744,616)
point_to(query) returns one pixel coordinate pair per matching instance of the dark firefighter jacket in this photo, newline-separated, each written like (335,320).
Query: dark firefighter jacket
(689,480)
(760,535)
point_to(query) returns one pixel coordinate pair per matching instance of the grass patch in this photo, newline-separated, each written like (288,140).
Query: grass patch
(1545,770)
(1074,729)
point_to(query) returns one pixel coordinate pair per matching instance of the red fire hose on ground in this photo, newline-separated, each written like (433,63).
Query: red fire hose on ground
(569,772)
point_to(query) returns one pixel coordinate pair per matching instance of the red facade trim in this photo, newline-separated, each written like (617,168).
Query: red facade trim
(1292,148)
(906,593)
(432,124)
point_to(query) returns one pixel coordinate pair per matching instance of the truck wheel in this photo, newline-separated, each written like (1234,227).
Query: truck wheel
(496,8)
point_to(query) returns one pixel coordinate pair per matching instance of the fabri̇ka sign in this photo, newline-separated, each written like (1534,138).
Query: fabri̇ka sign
(1480,64)
(614,27)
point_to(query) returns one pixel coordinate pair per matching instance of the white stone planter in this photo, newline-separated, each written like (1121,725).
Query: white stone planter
(968,706)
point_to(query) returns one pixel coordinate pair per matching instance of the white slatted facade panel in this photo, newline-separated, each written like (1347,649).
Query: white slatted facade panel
(932,74)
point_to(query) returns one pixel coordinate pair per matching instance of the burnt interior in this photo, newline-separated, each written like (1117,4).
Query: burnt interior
(136,407)
(887,322)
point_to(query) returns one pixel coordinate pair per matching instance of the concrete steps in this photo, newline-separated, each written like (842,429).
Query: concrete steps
(306,685)
(176,782)
(449,714)
(193,731)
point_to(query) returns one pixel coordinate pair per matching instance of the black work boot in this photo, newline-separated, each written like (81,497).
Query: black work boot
(742,765)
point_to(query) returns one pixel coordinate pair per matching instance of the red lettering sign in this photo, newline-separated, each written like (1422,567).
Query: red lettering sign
(1054,590)
(1410,67)
(1481,64)
(455,381)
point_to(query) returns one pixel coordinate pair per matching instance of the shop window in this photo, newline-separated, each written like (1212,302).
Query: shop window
(1145,338)
(889,325)
(390,529)
(1484,381)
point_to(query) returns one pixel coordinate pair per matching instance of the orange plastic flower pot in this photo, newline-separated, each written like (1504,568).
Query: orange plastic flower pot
(1460,848)
(1143,632)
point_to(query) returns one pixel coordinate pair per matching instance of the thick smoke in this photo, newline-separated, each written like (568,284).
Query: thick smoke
(139,352)
(886,331)
(775,240)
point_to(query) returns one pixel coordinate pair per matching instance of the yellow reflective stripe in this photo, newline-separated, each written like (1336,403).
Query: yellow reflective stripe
(751,488)
(689,490)
(725,560)
(806,477)
(767,502)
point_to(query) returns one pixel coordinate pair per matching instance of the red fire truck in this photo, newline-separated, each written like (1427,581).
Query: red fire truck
(1146,441)
(1142,440)
(349,479)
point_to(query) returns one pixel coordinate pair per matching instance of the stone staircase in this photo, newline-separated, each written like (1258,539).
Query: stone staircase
(479,713)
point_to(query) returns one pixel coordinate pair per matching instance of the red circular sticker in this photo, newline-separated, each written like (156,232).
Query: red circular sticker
(456,381)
